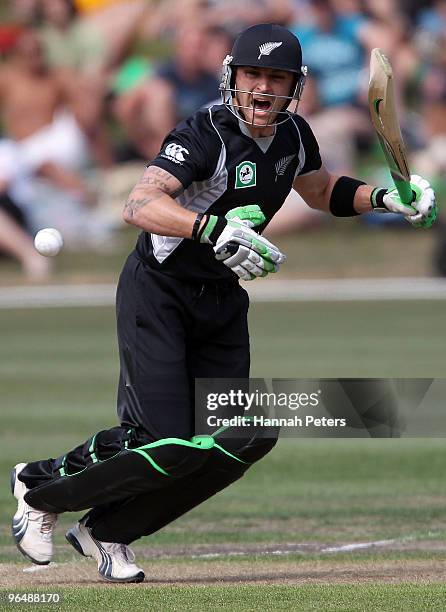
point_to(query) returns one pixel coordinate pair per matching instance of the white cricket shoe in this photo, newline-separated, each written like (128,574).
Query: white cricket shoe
(32,529)
(115,561)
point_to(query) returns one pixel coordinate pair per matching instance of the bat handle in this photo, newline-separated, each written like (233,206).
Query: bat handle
(404,189)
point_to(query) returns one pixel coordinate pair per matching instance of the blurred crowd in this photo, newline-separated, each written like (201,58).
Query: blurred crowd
(89,89)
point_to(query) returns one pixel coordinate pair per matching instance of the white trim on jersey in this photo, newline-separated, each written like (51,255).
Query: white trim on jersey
(198,197)
(302,157)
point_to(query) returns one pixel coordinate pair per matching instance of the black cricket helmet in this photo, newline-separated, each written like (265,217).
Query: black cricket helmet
(265,45)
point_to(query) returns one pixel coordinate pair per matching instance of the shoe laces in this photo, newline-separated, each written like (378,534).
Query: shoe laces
(121,550)
(47,520)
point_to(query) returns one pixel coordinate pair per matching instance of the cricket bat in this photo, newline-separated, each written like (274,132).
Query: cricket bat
(385,120)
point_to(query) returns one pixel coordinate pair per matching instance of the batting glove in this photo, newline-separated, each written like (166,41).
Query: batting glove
(238,246)
(245,262)
(421,212)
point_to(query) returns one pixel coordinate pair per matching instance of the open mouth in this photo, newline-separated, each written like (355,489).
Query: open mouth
(262,105)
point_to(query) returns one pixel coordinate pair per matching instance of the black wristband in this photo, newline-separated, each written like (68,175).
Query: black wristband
(377,200)
(212,228)
(196,226)
(343,195)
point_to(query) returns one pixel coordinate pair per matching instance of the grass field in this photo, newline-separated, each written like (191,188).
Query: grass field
(319,524)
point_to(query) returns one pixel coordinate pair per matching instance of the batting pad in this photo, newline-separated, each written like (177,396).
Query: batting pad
(146,513)
(128,473)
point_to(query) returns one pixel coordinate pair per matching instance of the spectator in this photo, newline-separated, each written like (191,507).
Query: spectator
(179,86)
(433,18)
(50,120)
(24,12)
(390,30)
(236,15)
(219,42)
(431,38)
(232,15)
(335,55)
(334,52)
(331,36)
(15,242)
(69,41)
(19,14)
(117,23)
(432,44)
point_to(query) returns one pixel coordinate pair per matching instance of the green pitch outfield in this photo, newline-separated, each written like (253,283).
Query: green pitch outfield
(319,524)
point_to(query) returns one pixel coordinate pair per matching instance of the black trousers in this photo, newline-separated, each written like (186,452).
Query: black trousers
(169,333)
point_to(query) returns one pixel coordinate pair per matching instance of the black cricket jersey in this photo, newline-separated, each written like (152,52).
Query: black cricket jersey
(220,167)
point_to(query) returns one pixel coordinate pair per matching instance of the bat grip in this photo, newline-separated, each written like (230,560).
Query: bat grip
(404,189)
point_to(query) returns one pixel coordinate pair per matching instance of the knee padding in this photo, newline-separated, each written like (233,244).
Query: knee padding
(129,472)
(255,449)
(247,449)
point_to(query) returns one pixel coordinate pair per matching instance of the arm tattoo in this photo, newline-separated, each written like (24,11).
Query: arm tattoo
(158,181)
(157,177)
(134,204)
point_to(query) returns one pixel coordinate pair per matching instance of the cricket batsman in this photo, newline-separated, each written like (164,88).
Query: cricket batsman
(202,205)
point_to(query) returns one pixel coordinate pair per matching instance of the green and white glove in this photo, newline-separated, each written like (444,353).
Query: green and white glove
(238,246)
(421,212)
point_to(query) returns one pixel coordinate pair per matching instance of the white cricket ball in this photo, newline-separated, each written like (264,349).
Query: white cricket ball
(48,241)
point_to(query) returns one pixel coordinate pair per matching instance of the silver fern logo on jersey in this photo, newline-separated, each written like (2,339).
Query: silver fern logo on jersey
(283,164)
(268,47)
(175,152)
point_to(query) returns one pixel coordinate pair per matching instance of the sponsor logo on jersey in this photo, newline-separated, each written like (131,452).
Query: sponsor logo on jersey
(282,164)
(245,175)
(268,47)
(175,152)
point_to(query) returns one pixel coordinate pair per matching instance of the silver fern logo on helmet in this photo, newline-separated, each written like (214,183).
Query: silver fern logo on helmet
(268,47)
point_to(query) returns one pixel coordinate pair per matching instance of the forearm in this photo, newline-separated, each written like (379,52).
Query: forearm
(154,211)
(151,205)
(361,202)
(331,193)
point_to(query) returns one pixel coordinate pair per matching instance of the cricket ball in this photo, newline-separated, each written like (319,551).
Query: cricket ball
(48,241)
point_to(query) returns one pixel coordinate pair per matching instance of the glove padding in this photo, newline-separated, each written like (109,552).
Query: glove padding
(422,211)
(242,249)
(245,262)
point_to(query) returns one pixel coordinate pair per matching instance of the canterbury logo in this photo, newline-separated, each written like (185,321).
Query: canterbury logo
(268,47)
(175,152)
(283,164)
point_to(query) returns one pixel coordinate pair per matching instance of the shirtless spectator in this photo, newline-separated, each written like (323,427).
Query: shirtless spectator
(50,122)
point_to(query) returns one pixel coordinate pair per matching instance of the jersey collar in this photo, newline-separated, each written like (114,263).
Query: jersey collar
(264,142)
